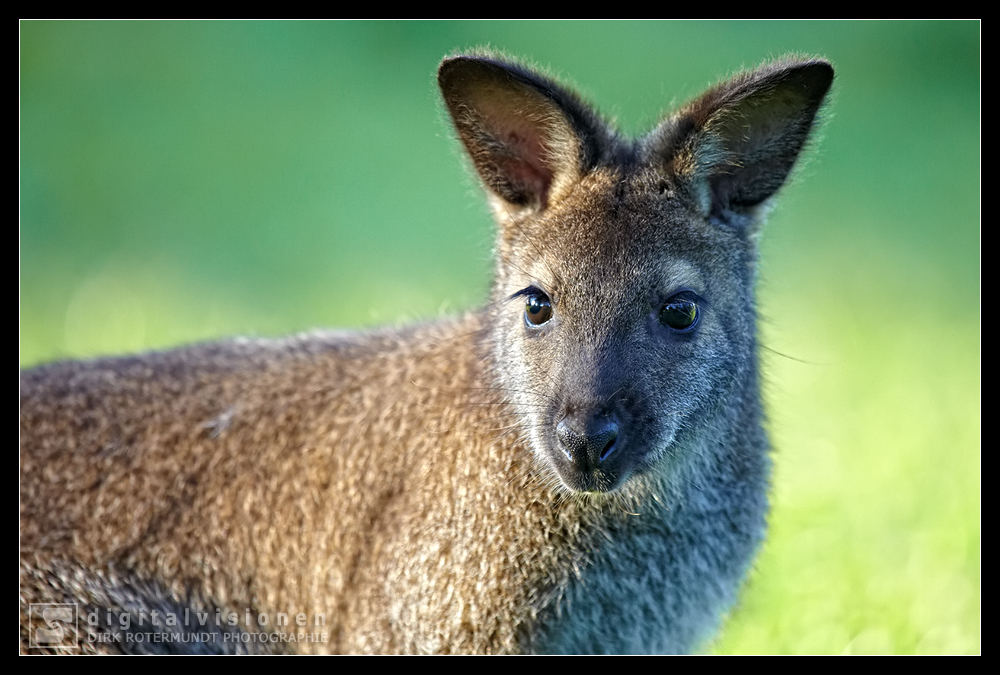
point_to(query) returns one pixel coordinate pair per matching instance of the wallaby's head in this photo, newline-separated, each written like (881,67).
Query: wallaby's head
(623,318)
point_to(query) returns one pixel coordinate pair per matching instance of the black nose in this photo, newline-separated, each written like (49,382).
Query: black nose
(590,446)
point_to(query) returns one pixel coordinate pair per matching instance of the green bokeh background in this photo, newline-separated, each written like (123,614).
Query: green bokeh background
(187,181)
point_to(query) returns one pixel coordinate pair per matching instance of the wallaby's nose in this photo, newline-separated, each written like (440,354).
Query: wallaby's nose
(587,450)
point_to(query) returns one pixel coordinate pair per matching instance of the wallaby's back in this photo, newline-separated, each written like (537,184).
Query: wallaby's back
(578,467)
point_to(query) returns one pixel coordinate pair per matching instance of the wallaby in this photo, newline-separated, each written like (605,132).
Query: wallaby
(579,467)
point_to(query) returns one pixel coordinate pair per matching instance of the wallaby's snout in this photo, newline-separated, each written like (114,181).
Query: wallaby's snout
(593,405)
(588,443)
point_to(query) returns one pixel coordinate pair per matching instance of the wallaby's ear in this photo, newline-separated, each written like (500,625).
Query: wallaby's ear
(736,144)
(529,138)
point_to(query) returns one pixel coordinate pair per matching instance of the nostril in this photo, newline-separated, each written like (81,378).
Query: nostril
(605,440)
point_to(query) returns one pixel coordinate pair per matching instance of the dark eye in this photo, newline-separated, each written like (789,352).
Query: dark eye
(681,314)
(537,309)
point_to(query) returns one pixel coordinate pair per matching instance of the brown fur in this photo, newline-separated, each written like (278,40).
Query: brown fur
(293,477)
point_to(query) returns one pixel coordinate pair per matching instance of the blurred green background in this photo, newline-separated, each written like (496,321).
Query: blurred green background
(187,181)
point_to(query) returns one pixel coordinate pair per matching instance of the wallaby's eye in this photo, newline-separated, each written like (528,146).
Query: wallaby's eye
(679,313)
(537,309)
(537,306)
